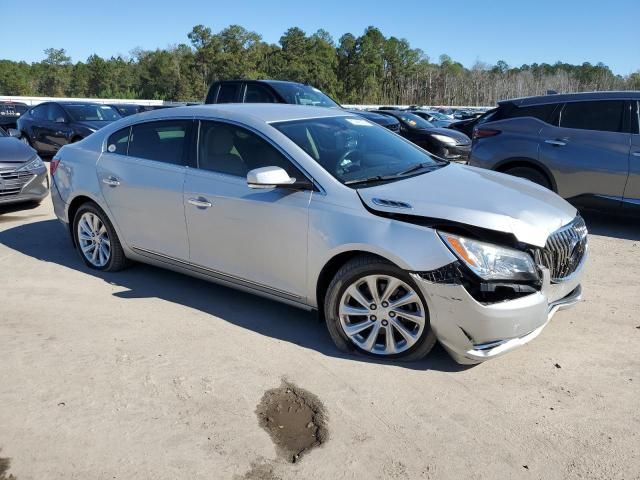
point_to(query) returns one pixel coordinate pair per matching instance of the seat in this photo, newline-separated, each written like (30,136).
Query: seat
(217,155)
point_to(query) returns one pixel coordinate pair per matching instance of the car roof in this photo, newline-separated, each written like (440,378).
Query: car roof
(265,112)
(572,97)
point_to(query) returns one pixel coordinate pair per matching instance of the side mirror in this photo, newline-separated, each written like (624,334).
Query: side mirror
(14,133)
(269,177)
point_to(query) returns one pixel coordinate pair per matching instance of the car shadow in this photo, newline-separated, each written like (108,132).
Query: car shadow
(608,225)
(48,241)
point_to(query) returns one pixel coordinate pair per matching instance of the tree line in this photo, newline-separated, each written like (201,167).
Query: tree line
(365,69)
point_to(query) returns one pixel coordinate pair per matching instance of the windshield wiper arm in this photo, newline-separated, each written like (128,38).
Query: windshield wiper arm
(362,181)
(415,168)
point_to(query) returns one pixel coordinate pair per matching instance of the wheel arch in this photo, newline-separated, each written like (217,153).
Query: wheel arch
(332,266)
(73,207)
(534,164)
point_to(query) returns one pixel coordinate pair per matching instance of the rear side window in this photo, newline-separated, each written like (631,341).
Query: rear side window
(160,141)
(119,141)
(541,112)
(256,93)
(604,116)
(228,93)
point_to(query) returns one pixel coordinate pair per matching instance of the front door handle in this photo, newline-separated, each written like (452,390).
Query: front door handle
(556,143)
(199,202)
(636,154)
(111,181)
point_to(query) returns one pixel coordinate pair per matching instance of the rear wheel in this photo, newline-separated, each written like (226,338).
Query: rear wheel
(375,308)
(530,174)
(96,239)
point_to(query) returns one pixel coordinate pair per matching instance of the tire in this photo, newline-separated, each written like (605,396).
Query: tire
(530,174)
(342,310)
(97,231)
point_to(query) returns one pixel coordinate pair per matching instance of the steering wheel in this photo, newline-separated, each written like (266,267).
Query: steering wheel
(344,156)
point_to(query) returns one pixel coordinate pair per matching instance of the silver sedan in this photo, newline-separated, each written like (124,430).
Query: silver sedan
(321,209)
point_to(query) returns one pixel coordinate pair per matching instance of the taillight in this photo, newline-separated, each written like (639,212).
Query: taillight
(53,165)
(484,133)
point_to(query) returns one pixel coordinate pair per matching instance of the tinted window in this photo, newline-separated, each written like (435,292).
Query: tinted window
(119,141)
(299,94)
(55,113)
(606,116)
(256,93)
(92,112)
(541,112)
(228,93)
(234,150)
(161,141)
(352,149)
(40,112)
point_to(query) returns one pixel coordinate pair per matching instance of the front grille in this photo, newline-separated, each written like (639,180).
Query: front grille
(12,181)
(394,127)
(564,250)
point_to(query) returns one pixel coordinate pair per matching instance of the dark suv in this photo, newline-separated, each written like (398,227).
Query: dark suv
(280,91)
(584,146)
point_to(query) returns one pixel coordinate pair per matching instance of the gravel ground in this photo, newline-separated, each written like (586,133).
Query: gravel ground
(150,374)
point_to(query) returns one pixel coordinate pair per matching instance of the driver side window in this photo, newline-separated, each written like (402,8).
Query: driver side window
(55,113)
(233,150)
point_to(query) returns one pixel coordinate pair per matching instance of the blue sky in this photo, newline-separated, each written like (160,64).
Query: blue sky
(516,31)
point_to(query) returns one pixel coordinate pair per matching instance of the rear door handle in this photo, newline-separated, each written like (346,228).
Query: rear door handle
(111,181)
(636,154)
(556,143)
(200,202)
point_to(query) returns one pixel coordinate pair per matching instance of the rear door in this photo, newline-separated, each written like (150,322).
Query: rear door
(142,176)
(588,149)
(632,191)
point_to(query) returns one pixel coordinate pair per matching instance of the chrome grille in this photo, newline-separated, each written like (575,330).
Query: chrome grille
(564,250)
(12,181)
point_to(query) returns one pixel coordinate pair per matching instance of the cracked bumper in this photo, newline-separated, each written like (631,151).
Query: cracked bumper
(473,332)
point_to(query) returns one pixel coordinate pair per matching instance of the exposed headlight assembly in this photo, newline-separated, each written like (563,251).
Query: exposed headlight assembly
(491,262)
(444,139)
(34,164)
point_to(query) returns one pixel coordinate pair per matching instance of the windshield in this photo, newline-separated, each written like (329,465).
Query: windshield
(414,120)
(127,109)
(303,95)
(92,113)
(352,149)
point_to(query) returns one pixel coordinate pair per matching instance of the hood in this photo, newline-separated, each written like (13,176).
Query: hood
(477,197)
(383,120)
(459,137)
(93,124)
(13,151)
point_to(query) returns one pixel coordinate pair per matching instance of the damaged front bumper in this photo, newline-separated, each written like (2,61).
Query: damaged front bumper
(473,332)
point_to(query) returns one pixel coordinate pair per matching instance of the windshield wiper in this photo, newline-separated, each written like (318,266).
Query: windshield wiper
(416,167)
(363,181)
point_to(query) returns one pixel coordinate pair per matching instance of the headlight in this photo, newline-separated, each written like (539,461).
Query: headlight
(491,262)
(444,139)
(34,164)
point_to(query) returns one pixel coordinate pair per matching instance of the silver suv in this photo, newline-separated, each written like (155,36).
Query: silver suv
(583,146)
(322,209)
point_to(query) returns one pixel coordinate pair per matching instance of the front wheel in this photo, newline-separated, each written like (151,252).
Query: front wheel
(375,308)
(96,239)
(530,174)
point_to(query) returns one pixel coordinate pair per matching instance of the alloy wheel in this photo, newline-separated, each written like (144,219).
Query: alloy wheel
(93,239)
(382,315)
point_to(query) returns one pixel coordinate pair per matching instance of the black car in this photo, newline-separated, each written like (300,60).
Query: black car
(280,91)
(10,112)
(49,126)
(467,126)
(443,142)
(384,120)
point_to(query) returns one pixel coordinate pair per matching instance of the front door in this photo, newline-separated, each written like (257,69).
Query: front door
(589,149)
(257,237)
(142,177)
